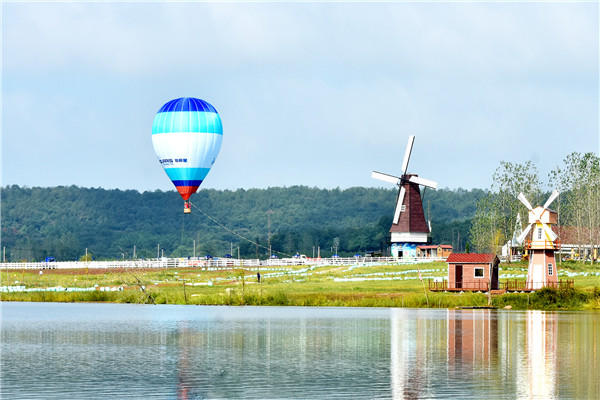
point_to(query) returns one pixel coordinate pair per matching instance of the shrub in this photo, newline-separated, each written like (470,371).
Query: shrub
(515,300)
(551,298)
(278,298)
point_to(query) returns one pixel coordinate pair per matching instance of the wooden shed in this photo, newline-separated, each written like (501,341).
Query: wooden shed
(434,251)
(473,271)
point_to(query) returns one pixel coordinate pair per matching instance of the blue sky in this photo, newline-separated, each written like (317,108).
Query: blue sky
(315,94)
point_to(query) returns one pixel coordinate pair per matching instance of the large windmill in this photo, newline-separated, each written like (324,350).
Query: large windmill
(409,227)
(542,262)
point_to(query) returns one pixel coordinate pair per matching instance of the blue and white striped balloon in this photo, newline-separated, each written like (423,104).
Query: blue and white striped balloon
(187,135)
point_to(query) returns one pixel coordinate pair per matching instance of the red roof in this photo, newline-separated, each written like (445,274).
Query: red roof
(470,258)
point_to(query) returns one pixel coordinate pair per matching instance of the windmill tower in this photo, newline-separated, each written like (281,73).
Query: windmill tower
(542,262)
(409,227)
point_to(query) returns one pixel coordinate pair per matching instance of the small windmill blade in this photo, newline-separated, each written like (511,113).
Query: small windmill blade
(399,204)
(385,177)
(523,234)
(409,146)
(553,236)
(552,197)
(521,197)
(423,182)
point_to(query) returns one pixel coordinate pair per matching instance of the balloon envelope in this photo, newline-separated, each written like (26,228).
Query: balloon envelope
(187,135)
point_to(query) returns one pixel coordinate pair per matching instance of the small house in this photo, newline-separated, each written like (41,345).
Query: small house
(434,251)
(473,271)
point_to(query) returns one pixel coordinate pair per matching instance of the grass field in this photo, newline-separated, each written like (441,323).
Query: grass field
(353,286)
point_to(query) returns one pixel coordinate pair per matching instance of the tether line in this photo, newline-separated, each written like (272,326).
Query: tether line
(182,228)
(237,234)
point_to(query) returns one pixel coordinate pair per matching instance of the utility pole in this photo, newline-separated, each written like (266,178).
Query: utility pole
(158,251)
(134,251)
(194,248)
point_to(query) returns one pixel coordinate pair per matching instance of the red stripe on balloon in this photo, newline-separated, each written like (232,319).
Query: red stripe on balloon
(186,191)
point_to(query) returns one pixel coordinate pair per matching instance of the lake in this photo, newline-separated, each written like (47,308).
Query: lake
(98,351)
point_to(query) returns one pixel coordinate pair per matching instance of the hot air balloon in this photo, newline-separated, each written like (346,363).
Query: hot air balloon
(187,135)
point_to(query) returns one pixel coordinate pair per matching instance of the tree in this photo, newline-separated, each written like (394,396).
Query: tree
(484,228)
(496,215)
(579,183)
(86,257)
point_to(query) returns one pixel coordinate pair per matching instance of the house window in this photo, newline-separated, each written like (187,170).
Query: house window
(539,231)
(478,272)
(550,269)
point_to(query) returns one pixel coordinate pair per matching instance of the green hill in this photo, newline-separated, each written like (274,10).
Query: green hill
(64,221)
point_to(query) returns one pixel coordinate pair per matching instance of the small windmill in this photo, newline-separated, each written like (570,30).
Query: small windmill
(409,226)
(513,242)
(542,262)
(518,231)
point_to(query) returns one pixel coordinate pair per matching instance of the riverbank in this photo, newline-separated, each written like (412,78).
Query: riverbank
(346,286)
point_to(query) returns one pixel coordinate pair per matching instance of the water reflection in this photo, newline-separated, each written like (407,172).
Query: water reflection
(499,354)
(98,351)
(537,369)
(472,341)
(415,347)
(282,358)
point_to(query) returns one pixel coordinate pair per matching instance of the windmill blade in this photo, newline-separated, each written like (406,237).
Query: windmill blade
(409,146)
(423,182)
(385,177)
(399,204)
(523,234)
(521,197)
(549,232)
(552,197)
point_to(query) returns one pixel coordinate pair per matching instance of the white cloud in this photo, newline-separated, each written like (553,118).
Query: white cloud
(317,93)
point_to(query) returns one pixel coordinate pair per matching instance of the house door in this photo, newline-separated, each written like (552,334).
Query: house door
(458,276)
(494,284)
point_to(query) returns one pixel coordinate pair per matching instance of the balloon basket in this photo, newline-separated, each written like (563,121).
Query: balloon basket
(186,208)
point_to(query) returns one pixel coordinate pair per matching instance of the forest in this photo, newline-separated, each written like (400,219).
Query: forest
(66,222)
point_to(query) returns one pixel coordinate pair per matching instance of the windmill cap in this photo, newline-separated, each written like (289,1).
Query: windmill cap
(540,214)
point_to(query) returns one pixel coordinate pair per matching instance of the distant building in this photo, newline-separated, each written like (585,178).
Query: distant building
(473,271)
(434,251)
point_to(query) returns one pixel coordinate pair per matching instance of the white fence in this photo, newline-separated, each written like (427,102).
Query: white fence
(221,263)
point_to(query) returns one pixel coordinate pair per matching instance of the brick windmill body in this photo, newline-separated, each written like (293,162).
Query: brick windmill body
(409,227)
(542,270)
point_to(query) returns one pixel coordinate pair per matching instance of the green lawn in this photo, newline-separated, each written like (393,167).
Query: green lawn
(356,286)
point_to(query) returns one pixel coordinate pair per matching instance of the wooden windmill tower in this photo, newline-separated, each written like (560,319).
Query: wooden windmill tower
(409,227)
(542,262)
